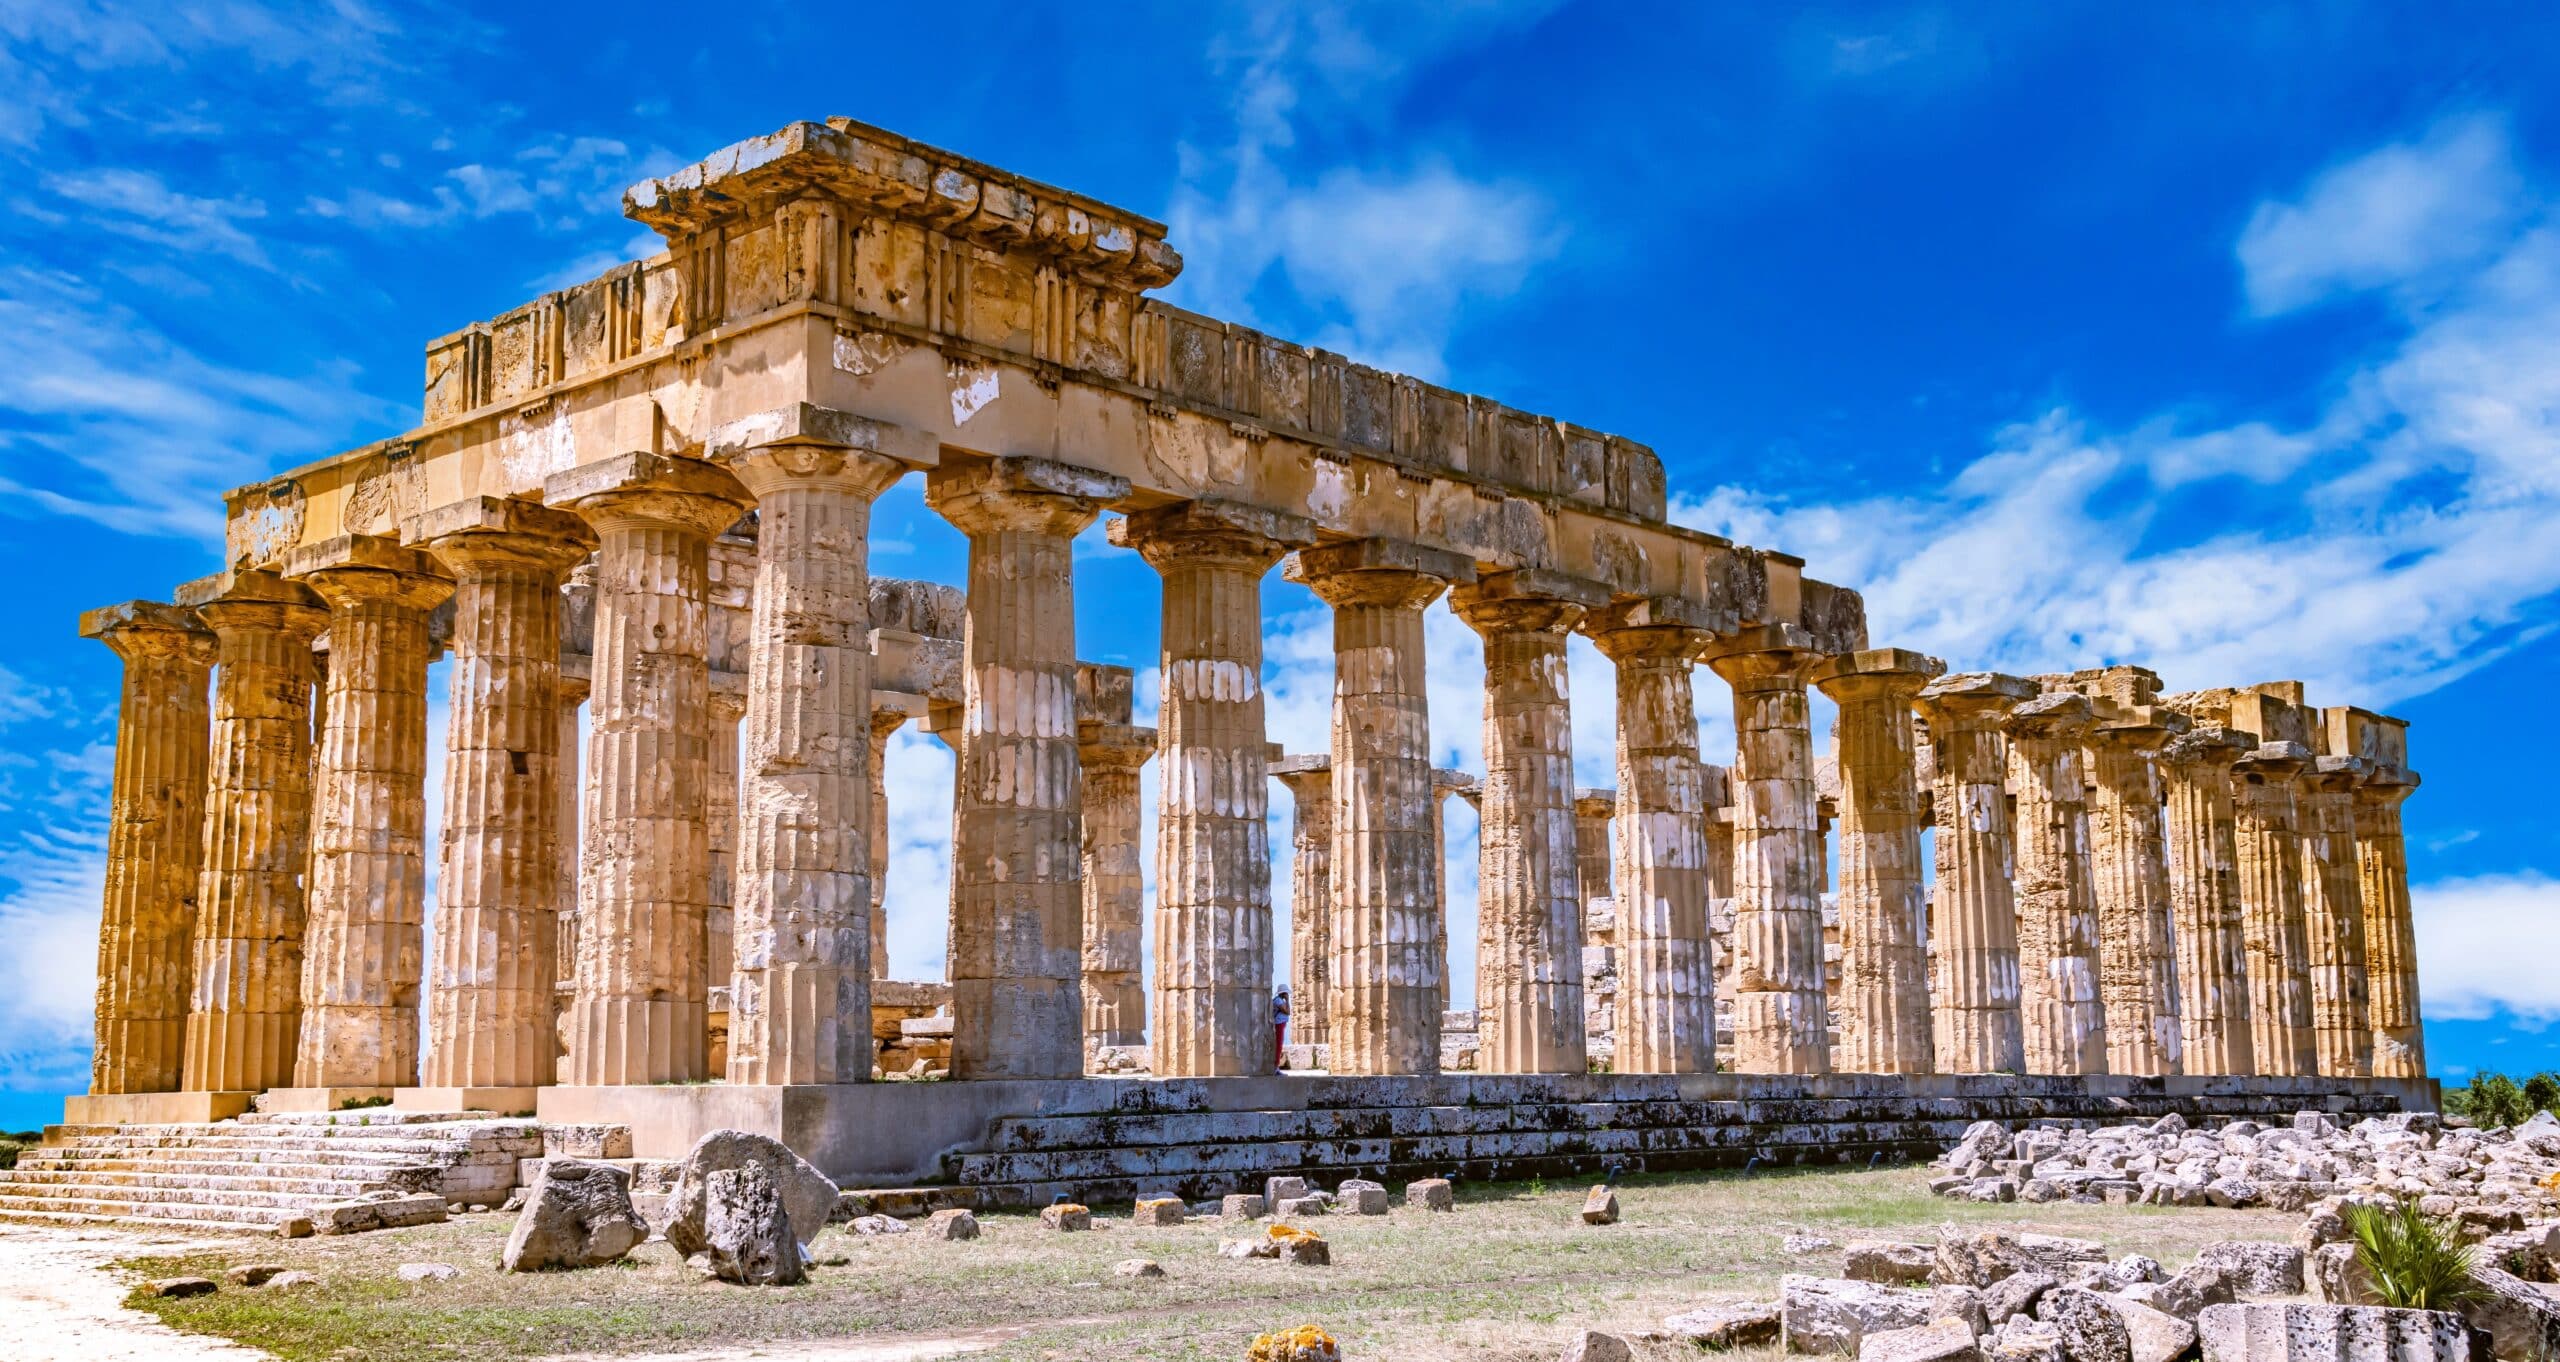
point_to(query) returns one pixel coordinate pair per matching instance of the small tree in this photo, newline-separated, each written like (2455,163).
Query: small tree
(2542,1093)
(2416,1262)
(2495,1100)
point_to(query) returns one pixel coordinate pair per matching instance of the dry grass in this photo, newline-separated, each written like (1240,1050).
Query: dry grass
(1511,1276)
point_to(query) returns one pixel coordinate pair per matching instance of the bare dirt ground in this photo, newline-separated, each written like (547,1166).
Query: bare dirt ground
(63,1301)
(1509,1278)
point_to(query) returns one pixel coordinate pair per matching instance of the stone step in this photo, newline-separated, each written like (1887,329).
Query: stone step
(55,1194)
(318,1187)
(1121,1132)
(83,1155)
(413,1151)
(112,1206)
(23,1216)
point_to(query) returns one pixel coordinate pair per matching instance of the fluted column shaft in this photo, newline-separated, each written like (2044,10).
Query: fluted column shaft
(2390,934)
(645,890)
(568,842)
(1115,895)
(884,724)
(155,843)
(2204,902)
(1529,1012)
(2278,943)
(1017,932)
(1974,916)
(1666,967)
(245,1006)
(1781,1014)
(1884,906)
(2333,918)
(2061,1012)
(1310,782)
(1214,945)
(1384,995)
(494,966)
(2137,952)
(800,991)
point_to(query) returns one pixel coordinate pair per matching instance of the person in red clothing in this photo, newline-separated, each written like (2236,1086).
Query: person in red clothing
(1280,1027)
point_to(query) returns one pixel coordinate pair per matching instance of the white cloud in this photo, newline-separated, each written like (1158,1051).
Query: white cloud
(2386,218)
(140,205)
(2485,946)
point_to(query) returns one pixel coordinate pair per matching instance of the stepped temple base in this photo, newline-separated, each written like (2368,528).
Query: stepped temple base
(497,1101)
(153,1108)
(1021,1140)
(321,1099)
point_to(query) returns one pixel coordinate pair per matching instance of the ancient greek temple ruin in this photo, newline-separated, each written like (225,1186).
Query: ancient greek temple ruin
(649,495)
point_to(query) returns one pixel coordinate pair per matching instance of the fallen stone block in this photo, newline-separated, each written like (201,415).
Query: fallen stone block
(177,1288)
(1961,1303)
(2155,1335)
(291,1281)
(751,1240)
(1943,1341)
(2521,1318)
(579,1215)
(1300,1207)
(1302,1248)
(1600,1207)
(1431,1194)
(952,1223)
(599,1141)
(1138,1267)
(1277,1190)
(875,1226)
(1360,1197)
(1240,1206)
(2266,1332)
(366,1214)
(1306,1343)
(1982,1258)
(1822,1315)
(2338,1276)
(2087,1324)
(1160,1211)
(1746,1325)
(1066,1217)
(1882,1260)
(254,1274)
(2256,1267)
(428,1272)
(2015,1294)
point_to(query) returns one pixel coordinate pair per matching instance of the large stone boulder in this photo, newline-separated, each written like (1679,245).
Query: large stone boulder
(1982,1259)
(1748,1324)
(577,1215)
(2087,1324)
(2338,1276)
(1880,1260)
(2155,1335)
(2185,1295)
(2523,1319)
(2266,1332)
(1947,1340)
(2256,1267)
(1823,1315)
(749,1231)
(2015,1294)
(808,1196)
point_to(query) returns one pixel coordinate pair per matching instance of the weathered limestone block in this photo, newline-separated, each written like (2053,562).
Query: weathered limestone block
(1017,929)
(2522,1318)
(951,1223)
(2204,900)
(1066,1217)
(748,1236)
(800,997)
(808,1196)
(1529,966)
(1878,1260)
(1430,1194)
(2256,1267)
(2278,944)
(1359,1197)
(642,970)
(1781,1015)
(1240,1206)
(1160,1211)
(2333,917)
(493,961)
(1745,1325)
(2137,950)
(2063,1018)
(2331,1333)
(2089,1327)
(1115,1003)
(380,1211)
(1213,886)
(155,842)
(1824,1317)
(1884,967)
(1946,1340)
(1310,782)
(1384,994)
(578,1215)
(1666,966)
(2390,931)
(1973,919)
(1600,1207)
(245,1007)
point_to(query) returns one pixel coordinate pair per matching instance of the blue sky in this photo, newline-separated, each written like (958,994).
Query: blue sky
(2225,342)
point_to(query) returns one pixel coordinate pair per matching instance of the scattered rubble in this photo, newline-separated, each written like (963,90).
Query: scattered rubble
(576,1215)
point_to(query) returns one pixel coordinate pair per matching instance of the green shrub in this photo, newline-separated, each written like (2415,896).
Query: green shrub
(2416,1262)
(9,1153)
(2542,1093)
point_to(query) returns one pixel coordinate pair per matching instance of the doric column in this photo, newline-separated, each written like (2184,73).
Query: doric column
(1974,918)
(2333,917)
(1666,968)
(1115,896)
(1884,907)
(1592,810)
(245,1008)
(493,962)
(2390,936)
(1781,1019)
(155,843)
(728,707)
(1310,782)
(884,724)
(366,929)
(1385,989)
(2279,947)
(570,841)
(1444,783)
(645,888)
(1017,933)
(800,993)
(944,720)
(2204,900)
(1528,887)
(1213,856)
(1715,787)
(2061,1014)
(2128,852)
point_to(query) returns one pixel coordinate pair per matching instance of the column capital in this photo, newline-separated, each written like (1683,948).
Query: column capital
(1762,650)
(1211,529)
(2386,785)
(1122,747)
(1382,572)
(816,430)
(1980,698)
(2336,775)
(251,598)
(886,721)
(1299,773)
(2208,746)
(484,532)
(2274,760)
(1592,803)
(1526,600)
(2061,714)
(361,569)
(650,489)
(728,696)
(1041,495)
(1651,628)
(1895,672)
(2137,728)
(137,629)
(577,677)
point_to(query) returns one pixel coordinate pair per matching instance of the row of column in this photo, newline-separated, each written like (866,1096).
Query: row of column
(2179,926)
